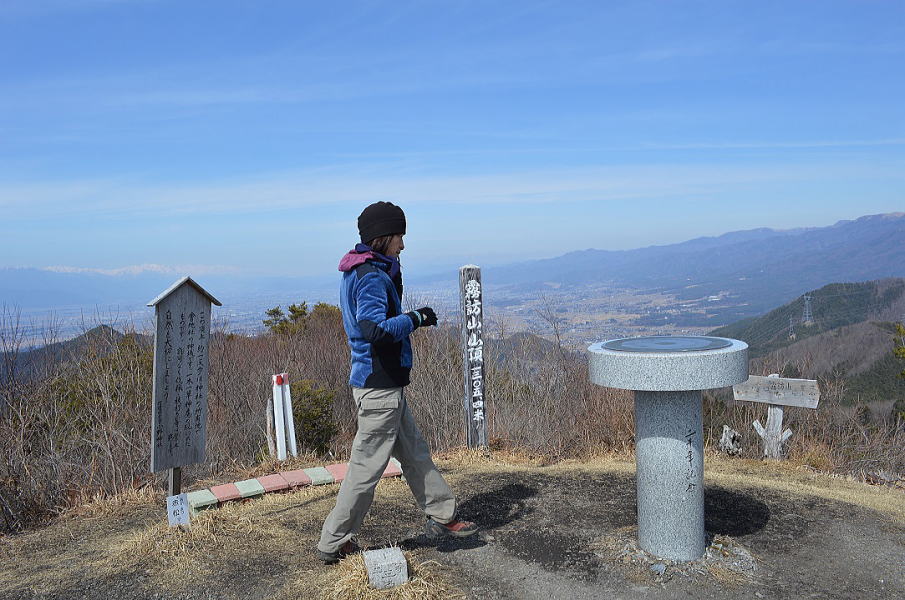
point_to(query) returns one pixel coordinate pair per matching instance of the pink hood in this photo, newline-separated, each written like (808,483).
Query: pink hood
(352,259)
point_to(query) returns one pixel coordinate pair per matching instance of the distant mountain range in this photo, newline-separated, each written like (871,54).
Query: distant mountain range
(31,289)
(753,271)
(758,268)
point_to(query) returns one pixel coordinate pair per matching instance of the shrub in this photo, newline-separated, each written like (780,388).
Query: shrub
(312,409)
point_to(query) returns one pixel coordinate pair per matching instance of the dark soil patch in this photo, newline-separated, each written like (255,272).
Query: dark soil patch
(849,551)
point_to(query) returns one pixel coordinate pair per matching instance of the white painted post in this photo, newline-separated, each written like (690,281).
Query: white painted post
(278,416)
(290,419)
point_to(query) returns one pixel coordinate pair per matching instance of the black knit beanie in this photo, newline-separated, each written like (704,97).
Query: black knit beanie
(379,219)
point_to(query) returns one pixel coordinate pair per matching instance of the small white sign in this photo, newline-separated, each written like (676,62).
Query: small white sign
(178,510)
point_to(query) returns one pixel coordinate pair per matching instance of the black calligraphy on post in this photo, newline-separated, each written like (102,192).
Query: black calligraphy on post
(475,401)
(691,474)
(179,413)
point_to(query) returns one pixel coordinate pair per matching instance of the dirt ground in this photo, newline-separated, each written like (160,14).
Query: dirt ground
(549,532)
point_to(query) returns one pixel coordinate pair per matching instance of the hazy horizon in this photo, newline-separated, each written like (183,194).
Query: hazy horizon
(237,138)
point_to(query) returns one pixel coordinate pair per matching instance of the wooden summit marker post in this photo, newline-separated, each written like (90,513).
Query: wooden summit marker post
(777,392)
(179,409)
(473,359)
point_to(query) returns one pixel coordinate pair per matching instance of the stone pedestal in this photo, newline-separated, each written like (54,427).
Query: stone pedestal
(670,473)
(667,374)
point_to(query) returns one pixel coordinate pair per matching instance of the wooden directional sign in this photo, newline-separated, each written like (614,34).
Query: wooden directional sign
(780,391)
(777,392)
(179,409)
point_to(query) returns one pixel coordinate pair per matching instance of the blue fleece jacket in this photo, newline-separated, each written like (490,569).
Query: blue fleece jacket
(378,330)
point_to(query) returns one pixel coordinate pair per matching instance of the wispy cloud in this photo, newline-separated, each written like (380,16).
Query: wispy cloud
(355,185)
(31,8)
(777,144)
(148,268)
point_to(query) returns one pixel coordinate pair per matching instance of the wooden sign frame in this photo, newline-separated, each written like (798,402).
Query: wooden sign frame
(179,394)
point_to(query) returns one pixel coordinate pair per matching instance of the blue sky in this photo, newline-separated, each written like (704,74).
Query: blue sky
(247,136)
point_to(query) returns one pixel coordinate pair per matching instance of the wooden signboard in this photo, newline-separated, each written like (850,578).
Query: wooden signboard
(777,392)
(475,401)
(179,407)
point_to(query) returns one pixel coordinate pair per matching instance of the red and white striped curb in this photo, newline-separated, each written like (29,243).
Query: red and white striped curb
(277,482)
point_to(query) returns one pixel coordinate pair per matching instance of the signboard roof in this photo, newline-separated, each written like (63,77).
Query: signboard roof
(177,285)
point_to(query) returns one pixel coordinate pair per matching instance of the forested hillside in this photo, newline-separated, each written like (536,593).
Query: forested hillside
(849,339)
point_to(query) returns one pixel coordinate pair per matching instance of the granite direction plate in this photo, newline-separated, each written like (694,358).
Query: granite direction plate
(667,343)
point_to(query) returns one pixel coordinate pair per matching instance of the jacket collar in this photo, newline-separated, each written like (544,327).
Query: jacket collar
(363,253)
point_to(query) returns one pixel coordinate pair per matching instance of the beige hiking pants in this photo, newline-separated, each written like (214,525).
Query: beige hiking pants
(385,428)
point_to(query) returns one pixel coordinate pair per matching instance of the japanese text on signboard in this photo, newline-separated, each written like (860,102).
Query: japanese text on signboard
(184,385)
(474,324)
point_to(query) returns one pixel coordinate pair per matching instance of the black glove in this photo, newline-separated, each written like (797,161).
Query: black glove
(423,317)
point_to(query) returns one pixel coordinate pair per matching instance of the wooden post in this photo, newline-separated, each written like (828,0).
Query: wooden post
(475,400)
(271,443)
(175,481)
(777,392)
(179,404)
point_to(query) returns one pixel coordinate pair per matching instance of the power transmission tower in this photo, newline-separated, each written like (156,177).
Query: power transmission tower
(791,328)
(807,318)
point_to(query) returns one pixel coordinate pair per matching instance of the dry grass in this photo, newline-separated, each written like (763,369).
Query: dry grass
(795,478)
(161,547)
(727,577)
(269,541)
(73,428)
(349,581)
(498,454)
(105,505)
(253,526)
(789,476)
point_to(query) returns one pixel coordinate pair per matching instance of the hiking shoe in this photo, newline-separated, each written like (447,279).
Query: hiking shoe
(454,528)
(334,557)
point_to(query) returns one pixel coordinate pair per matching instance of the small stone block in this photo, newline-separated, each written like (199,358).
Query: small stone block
(226,492)
(250,488)
(297,478)
(338,471)
(319,475)
(273,483)
(201,500)
(393,469)
(386,567)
